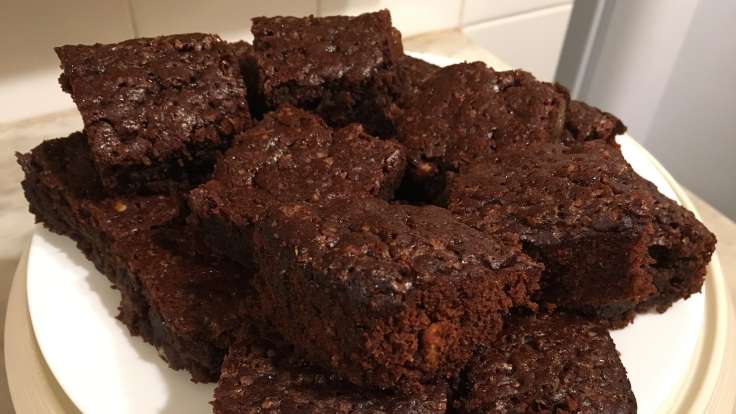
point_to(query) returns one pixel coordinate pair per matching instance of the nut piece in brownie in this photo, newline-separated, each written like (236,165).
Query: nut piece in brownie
(585,123)
(580,210)
(156,110)
(262,379)
(341,67)
(548,364)
(680,248)
(386,295)
(467,111)
(173,294)
(291,155)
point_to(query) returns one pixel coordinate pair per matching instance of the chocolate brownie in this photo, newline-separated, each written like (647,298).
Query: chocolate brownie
(412,73)
(467,111)
(580,210)
(156,111)
(291,155)
(384,294)
(585,123)
(681,249)
(262,379)
(548,364)
(173,294)
(341,67)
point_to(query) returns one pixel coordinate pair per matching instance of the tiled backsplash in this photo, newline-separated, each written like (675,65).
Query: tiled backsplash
(526,33)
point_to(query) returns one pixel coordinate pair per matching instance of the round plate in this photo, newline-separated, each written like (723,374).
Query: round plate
(103,369)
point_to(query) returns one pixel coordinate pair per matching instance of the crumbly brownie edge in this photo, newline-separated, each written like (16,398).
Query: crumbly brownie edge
(50,206)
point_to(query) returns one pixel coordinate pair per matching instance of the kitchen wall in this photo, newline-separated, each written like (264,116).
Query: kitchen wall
(525,33)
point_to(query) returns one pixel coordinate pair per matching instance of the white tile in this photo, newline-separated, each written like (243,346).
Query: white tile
(409,16)
(475,11)
(530,41)
(30,29)
(228,18)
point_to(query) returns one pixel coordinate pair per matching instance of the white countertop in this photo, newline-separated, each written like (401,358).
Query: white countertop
(16,223)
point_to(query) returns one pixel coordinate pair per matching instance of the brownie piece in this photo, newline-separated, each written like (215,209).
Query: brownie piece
(548,364)
(341,67)
(412,73)
(580,210)
(262,379)
(585,123)
(467,111)
(681,249)
(291,155)
(156,111)
(174,295)
(382,294)
(65,193)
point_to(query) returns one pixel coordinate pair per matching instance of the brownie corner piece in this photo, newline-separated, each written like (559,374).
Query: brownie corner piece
(291,155)
(681,249)
(267,379)
(547,363)
(342,67)
(582,211)
(384,294)
(156,110)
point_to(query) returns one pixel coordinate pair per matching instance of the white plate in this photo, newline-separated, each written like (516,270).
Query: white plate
(105,370)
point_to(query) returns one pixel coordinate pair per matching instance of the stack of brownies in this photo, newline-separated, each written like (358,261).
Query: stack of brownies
(324,224)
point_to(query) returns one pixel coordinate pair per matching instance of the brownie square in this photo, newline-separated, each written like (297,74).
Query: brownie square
(341,67)
(291,155)
(580,210)
(548,364)
(467,111)
(174,295)
(262,379)
(680,249)
(386,295)
(156,111)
